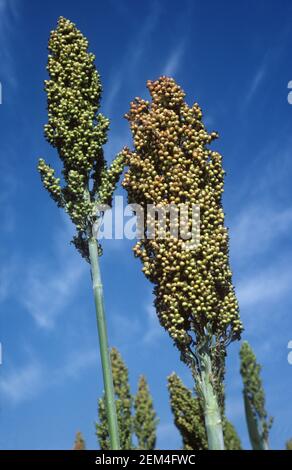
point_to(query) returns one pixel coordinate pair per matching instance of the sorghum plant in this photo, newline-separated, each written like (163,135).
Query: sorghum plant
(136,415)
(187,415)
(258,422)
(78,132)
(171,164)
(124,402)
(145,420)
(189,418)
(79,443)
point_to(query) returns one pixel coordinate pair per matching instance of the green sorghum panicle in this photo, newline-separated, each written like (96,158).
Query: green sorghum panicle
(145,420)
(124,403)
(253,389)
(77,131)
(188,415)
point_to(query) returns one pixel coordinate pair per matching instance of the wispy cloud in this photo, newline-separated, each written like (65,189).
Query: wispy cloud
(6,277)
(174,60)
(9,14)
(133,55)
(153,328)
(256,228)
(8,188)
(25,382)
(22,383)
(263,216)
(256,82)
(48,290)
(144,327)
(50,287)
(74,365)
(260,250)
(265,287)
(274,167)
(268,60)
(132,328)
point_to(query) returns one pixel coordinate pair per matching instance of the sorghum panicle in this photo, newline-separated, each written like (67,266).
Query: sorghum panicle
(77,131)
(171,163)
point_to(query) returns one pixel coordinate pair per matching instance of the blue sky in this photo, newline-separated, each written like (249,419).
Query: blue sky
(235,60)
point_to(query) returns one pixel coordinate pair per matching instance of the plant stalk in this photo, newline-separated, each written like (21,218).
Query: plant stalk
(212,414)
(103,345)
(255,436)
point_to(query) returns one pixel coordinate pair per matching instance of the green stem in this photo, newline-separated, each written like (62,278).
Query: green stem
(212,414)
(255,436)
(265,440)
(103,345)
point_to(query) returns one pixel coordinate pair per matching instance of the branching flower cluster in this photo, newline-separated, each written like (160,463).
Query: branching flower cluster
(171,163)
(77,131)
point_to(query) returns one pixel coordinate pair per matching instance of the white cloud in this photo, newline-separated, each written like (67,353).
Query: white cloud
(174,60)
(115,88)
(153,328)
(269,60)
(9,186)
(9,12)
(265,287)
(274,167)
(131,329)
(48,291)
(6,277)
(256,81)
(28,381)
(133,55)
(49,287)
(75,364)
(144,327)
(256,228)
(21,383)
(259,245)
